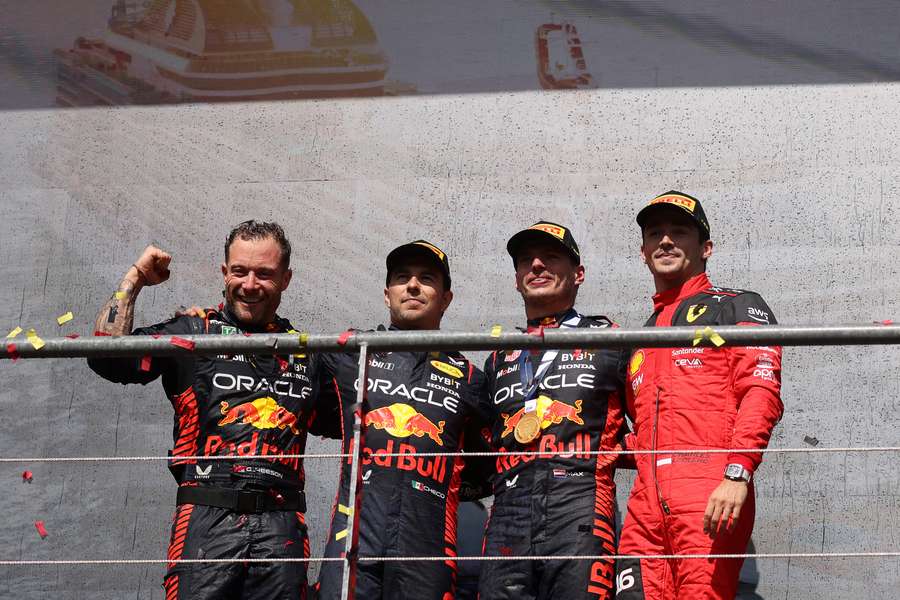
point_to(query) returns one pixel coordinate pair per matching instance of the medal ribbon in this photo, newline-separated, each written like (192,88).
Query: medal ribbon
(530,379)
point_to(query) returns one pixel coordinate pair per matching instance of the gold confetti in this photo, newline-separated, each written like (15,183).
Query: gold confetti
(34,339)
(65,318)
(13,333)
(496,330)
(708,333)
(120,295)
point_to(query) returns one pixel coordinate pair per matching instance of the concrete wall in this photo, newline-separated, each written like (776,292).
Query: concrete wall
(800,184)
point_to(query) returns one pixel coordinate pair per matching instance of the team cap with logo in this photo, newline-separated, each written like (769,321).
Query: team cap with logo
(419,248)
(543,231)
(688,204)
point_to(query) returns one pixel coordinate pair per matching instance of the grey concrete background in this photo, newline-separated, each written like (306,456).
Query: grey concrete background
(800,183)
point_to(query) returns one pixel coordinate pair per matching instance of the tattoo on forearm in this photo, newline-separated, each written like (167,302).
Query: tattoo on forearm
(116,317)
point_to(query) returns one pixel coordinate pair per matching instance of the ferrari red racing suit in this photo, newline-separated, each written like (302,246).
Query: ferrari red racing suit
(694,398)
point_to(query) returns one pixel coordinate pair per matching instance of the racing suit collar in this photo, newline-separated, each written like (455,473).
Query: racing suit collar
(551,320)
(695,284)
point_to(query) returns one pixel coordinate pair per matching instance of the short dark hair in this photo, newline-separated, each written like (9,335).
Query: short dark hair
(256,230)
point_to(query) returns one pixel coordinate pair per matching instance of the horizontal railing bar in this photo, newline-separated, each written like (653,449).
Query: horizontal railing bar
(644,337)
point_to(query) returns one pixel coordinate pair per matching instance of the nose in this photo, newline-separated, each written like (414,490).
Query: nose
(666,240)
(413,284)
(537,264)
(250,282)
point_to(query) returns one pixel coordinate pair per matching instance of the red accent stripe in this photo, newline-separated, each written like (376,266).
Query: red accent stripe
(188,426)
(172,587)
(179,534)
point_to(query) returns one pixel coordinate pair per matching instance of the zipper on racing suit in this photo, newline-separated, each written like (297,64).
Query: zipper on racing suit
(659,493)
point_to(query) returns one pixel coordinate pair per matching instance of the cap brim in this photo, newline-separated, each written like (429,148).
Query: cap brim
(645,213)
(532,236)
(398,254)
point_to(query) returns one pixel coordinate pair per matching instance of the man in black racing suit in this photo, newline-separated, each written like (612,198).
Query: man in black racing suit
(234,405)
(564,404)
(416,402)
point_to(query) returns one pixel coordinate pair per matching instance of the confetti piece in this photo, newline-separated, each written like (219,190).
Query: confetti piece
(345,510)
(120,295)
(13,333)
(101,334)
(145,363)
(342,339)
(27,476)
(73,336)
(340,535)
(42,531)
(708,333)
(811,440)
(34,339)
(201,313)
(885,322)
(156,336)
(304,339)
(62,319)
(496,330)
(181,342)
(11,351)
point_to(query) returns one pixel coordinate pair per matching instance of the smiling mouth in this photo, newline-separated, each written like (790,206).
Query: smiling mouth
(249,301)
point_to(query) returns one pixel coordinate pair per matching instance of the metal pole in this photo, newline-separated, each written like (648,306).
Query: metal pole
(412,341)
(354,497)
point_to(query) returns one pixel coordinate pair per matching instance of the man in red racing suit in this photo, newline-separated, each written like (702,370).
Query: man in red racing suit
(693,399)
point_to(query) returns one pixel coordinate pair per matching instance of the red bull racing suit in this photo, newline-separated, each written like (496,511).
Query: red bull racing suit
(235,405)
(416,402)
(694,398)
(561,502)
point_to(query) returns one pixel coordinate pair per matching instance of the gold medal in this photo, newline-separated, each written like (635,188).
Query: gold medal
(528,428)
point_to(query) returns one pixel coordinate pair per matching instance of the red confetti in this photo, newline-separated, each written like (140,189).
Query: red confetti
(342,339)
(885,322)
(11,351)
(27,476)
(145,363)
(42,531)
(156,336)
(289,543)
(577,353)
(73,336)
(181,342)
(101,334)
(247,334)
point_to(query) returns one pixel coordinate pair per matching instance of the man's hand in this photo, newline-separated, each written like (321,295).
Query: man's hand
(193,311)
(153,266)
(116,317)
(724,506)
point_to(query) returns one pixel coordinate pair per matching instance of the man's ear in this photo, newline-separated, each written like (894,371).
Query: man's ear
(707,249)
(579,275)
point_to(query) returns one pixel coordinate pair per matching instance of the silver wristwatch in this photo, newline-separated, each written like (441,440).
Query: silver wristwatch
(736,472)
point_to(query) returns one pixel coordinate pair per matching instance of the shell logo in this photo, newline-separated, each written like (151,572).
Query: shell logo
(447,369)
(637,361)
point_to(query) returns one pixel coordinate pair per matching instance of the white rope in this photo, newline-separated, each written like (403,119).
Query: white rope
(539,453)
(155,561)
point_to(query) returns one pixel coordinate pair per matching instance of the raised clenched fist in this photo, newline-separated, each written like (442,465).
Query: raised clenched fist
(153,265)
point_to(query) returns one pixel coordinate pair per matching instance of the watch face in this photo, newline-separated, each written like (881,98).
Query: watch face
(734,471)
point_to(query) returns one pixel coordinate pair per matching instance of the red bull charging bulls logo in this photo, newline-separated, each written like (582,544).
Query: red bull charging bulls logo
(402,420)
(262,413)
(551,412)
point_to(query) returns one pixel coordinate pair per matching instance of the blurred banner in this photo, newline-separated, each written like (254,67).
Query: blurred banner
(123,52)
